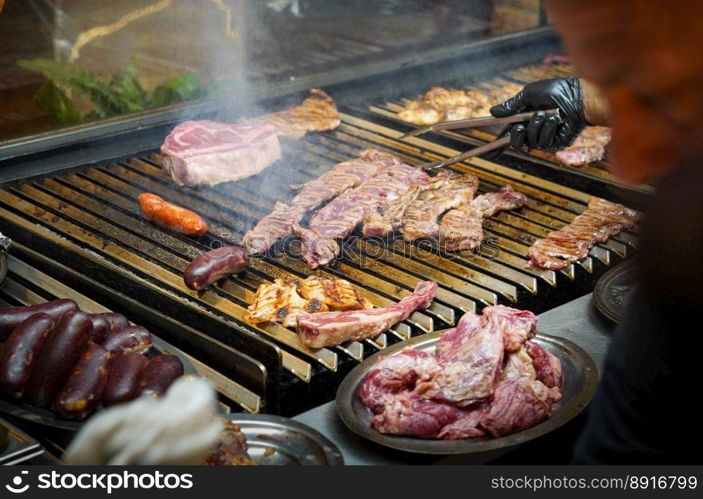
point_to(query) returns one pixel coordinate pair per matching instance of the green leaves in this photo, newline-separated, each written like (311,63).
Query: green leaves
(122,95)
(181,88)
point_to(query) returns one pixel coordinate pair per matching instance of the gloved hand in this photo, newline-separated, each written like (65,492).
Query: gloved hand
(543,132)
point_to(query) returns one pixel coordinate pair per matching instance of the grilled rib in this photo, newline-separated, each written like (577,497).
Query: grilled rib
(332,328)
(446,191)
(462,228)
(600,221)
(317,113)
(279,224)
(341,216)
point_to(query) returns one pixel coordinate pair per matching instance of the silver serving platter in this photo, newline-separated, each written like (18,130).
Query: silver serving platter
(580,377)
(46,417)
(275,440)
(613,289)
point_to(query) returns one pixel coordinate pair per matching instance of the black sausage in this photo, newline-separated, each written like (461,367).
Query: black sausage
(21,351)
(84,388)
(10,318)
(128,339)
(159,373)
(61,352)
(214,265)
(123,380)
(106,323)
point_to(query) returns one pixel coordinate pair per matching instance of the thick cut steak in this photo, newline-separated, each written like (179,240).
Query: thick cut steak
(208,152)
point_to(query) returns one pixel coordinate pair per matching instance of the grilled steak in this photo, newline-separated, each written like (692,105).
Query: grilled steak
(341,216)
(279,224)
(446,191)
(332,328)
(462,228)
(485,376)
(230,449)
(208,152)
(601,220)
(282,301)
(588,147)
(317,113)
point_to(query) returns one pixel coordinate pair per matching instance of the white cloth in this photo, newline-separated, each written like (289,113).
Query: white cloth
(179,428)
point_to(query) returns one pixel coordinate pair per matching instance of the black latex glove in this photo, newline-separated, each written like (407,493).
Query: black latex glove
(543,132)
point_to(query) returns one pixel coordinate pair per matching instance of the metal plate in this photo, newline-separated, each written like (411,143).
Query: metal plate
(579,385)
(47,417)
(275,440)
(612,290)
(16,446)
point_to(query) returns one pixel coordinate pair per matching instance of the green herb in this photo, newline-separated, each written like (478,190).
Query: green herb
(123,94)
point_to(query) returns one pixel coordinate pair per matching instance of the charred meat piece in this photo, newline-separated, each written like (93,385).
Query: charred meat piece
(208,152)
(317,113)
(600,221)
(279,224)
(332,328)
(445,191)
(462,228)
(341,216)
(231,448)
(589,146)
(282,301)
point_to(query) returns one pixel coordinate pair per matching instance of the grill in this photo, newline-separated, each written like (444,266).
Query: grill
(84,225)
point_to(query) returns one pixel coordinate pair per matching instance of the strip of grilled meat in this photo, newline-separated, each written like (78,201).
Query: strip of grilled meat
(600,221)
(462,228)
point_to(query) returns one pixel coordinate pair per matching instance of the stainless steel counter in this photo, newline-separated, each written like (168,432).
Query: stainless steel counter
(577,321)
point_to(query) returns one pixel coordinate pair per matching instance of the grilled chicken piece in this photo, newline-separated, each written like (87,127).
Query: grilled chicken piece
(282,301)
(278,301)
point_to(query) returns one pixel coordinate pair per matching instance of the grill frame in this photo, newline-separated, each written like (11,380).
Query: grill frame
(91,210)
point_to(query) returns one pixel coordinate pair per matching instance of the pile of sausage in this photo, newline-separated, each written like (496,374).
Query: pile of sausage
(55,356)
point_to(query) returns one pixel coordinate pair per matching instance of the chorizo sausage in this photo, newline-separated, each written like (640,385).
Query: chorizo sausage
(21,351)
(10,318)
(106,323)
(123,380)
(159,373)
(62,349)
(84,388)
(128,339)
(172,216)
(214,265)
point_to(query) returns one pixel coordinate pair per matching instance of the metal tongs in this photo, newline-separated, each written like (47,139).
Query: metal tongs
(473,123)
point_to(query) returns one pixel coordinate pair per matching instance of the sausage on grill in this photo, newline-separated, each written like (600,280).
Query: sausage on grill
(61,352)
(128,339)
(172,216)
(214,265)
(106,323)
(123,380)
(158,375)
(84,388)
(10,318)
(20,353)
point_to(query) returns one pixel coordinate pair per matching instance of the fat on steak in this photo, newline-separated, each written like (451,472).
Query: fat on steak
(209,152)
(332,328)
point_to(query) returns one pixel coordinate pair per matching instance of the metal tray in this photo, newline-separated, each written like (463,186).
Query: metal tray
(16,447)
(275,440)
(580,379)
(46,417)
(612,290)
